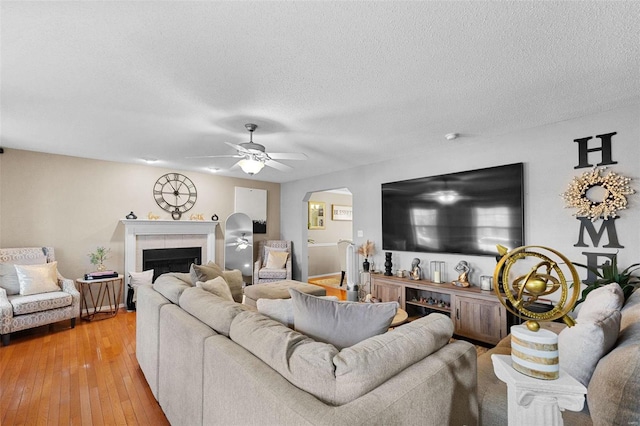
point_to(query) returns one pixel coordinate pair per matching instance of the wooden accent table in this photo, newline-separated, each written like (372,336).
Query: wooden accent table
(99,290)
(400,318)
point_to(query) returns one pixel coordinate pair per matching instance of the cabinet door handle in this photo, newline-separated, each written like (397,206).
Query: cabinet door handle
(457,313)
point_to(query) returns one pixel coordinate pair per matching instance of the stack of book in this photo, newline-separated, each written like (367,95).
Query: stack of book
(100,275)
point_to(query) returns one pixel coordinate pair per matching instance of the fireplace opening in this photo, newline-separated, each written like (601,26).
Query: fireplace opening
(170,260)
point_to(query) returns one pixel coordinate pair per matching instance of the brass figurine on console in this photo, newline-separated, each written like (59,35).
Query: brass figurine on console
(464,269)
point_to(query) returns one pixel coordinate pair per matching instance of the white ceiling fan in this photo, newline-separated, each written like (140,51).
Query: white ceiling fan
(253,156)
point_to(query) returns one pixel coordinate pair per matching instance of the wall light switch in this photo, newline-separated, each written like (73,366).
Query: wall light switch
(360,233)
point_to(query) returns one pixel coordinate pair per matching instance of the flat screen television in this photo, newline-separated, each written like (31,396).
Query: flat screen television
(467,212)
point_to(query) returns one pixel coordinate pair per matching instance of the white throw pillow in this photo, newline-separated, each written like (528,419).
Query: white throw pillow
(580,347)
(217,286)
(281,310)
(602,299)
(36,279)
(139,278)
(277,260)
(342,324)
(268,250)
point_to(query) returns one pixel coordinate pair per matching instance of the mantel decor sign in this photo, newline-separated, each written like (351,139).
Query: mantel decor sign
(339,212)
(610,189)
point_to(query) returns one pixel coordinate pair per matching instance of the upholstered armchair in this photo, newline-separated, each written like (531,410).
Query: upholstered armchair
(276,269)
(35,293)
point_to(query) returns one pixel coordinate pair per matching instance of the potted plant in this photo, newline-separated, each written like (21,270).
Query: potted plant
(608,273)
(98,257)
(365,250)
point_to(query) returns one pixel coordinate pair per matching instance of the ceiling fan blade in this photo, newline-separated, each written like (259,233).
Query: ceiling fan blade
(217,156)
(236,147)
(278,166)
(288,156)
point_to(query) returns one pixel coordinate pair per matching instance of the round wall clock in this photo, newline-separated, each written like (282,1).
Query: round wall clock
(175,193)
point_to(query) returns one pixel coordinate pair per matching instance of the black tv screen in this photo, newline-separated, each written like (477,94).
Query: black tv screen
(467,212)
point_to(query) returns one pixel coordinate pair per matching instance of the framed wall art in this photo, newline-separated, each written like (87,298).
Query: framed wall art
(339,212)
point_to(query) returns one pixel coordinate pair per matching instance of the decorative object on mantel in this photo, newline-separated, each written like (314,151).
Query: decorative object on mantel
(437,271)
(530,283)
(367,249)
(131,216)
(152,216)
(416,270)
(175,193)
(388,264)
(598,196)
(464,269)
(196,216)
(98,257)
(214,217)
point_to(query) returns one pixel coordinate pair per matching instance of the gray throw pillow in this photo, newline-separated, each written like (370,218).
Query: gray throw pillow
(342,324)
(204,272)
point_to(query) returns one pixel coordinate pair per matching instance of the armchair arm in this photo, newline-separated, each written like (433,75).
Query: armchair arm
(288,266)
(6,312)
(256,269)
(68,286)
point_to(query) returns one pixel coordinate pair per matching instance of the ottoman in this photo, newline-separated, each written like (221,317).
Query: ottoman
(279,290)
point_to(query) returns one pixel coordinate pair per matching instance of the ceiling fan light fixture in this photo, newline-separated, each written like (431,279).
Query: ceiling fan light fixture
(251,166)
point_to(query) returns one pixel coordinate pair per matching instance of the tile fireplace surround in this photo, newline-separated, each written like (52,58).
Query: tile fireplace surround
(151,234)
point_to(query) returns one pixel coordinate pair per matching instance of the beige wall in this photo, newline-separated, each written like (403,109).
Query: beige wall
(75,204)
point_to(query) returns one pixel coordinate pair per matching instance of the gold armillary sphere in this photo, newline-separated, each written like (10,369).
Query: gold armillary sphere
(544,276)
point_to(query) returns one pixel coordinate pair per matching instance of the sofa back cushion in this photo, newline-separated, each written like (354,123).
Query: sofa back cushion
(613,391)
(172,284)
(364,366)
(342,324)
(18,256)
(211,309)
(304,362)
(336,377)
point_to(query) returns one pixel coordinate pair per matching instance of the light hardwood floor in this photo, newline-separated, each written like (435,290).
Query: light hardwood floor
(88,375)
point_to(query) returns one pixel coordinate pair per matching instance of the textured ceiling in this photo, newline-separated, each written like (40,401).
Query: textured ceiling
(347,83)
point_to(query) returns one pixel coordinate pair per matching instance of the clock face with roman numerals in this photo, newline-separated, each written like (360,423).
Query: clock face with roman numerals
(175,193)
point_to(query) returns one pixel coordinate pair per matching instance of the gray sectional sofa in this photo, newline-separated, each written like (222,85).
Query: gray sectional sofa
(211,361)
(613,394)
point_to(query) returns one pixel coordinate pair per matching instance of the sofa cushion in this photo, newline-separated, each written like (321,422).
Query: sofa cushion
(342,324)
(304,362)
(39,302)
(272,274)
(602,299)
(581,346)
(364,366)
(281,310)
(171,285)
(235,282)
(36,279)
(204,272)
(613,391)
(217,286)
(211,309)
(338,378)
(631,311)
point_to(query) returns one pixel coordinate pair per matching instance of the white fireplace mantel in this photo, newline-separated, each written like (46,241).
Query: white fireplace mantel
(135,227)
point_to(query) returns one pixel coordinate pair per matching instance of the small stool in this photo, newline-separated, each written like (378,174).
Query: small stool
(279,290)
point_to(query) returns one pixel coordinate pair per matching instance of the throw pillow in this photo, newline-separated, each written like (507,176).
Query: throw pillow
(204,272)
(277,260)
(602,299)
(268,250)
(139,278)
(235,282)
(217,286)
(281,310)
(580,347)
(342,324)
(36,279)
